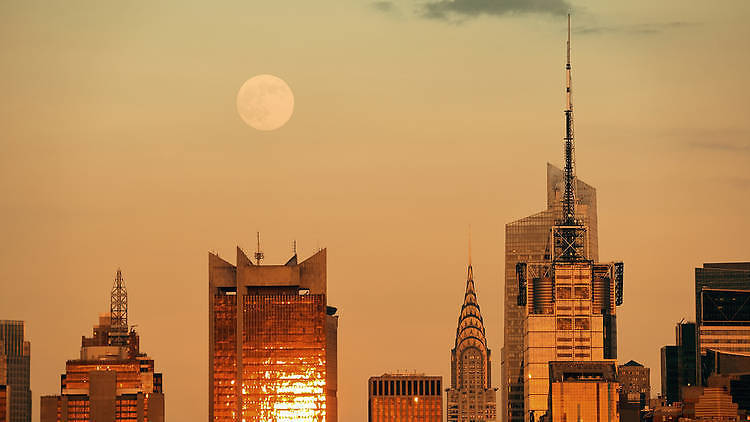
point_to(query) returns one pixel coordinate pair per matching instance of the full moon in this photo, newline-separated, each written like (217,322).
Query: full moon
(265,102)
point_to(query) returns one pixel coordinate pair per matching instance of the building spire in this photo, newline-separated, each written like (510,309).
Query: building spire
(569,233)
(569,197)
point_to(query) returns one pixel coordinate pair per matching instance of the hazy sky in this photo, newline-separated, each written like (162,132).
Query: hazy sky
(120,146)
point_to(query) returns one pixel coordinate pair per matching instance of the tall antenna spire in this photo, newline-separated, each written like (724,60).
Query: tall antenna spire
(569,198)
(118,310)
(258,253)
(570,234)
(470,245)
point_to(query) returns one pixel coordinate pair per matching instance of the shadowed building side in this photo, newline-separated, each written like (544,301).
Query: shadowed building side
(272,340)
(15,365)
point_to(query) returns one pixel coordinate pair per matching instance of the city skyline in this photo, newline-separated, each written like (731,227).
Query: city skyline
(123,149)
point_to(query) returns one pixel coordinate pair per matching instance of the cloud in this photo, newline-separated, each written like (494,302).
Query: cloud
(383,6)
(641,28)
(447,9)
(739,146)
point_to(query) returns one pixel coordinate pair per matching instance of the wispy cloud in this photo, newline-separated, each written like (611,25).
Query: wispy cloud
(462,9)
(641,28)
(737,146)
(383,6)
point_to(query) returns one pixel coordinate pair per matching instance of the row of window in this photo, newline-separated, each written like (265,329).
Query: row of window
(406,388)
(569,323)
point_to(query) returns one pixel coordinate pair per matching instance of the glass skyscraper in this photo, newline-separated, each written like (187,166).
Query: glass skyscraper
(526,240)
(272,341)
(722,310)
(17,355)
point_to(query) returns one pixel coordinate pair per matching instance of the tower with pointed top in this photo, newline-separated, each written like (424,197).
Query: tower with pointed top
(471,396)
(568,299)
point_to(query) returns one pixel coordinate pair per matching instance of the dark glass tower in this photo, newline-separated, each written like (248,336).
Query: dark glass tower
(17,353)
(722,310)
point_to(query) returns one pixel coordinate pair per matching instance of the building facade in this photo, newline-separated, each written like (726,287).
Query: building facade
(471,397)
(405,398)
(4,409)
(670,387)
(583,391)
(527,240)
(16,357)
(272,341)
(112,380)
(635,383)
(722,307)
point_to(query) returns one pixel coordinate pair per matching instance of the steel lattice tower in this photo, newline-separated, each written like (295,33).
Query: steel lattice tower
(118,309)
(569,234)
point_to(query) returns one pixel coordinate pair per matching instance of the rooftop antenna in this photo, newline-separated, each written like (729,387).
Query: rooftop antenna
(258,253)
(470,275)
(470,245)
(569,231)
(569,198)
(294,246)
(118,310)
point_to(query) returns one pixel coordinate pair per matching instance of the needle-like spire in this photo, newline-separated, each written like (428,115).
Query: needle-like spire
(569,198)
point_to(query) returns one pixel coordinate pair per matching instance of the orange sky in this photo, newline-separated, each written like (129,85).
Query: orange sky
(121,146)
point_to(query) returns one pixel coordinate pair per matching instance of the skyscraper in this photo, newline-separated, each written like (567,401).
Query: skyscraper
(405,398)
(722,310)
(112,380)
(272,340)
(16,355)
(678,365)
(471,396)
(569,300)
(527,240)
(670,387)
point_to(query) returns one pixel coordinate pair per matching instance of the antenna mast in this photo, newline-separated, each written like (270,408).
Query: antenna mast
(258,253)
(569,233)
(569,198)
(118,310)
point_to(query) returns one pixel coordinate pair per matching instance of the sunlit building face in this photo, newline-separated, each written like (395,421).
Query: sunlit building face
(273,357)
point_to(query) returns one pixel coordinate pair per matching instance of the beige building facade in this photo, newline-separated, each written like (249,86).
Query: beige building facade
(405,398)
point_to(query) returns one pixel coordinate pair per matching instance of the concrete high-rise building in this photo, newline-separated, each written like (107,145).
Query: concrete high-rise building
(272,340)
(582,391)
(722,309)
(16,361)
(112,380)
(471,396)
(568,299)
(405,398)
(527,240)
(635,383)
